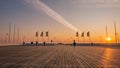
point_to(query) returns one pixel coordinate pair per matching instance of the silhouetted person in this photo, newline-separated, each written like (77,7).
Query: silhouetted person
(31,42)
(74,43)
(92,43)
(44,43)
(52,42)
(23,43)
(36,43)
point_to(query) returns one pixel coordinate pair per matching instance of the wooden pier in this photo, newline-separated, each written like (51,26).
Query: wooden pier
(59,56)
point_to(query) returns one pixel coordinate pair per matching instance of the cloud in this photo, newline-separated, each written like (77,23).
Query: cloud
(97,3)
(41,6)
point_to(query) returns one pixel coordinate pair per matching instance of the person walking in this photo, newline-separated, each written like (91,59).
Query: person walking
(74,43)
(44,43)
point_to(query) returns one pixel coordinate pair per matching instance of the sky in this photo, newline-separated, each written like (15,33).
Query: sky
(62,18)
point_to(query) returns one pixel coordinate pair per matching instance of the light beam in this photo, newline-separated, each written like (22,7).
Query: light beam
(41,6)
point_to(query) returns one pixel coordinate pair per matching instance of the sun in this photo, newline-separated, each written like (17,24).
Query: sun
(108,38)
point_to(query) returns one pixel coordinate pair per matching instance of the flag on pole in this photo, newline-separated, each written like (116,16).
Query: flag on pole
(36,34)
(47,34)
(77,34)
(82,35)
(41,34)
(88,34)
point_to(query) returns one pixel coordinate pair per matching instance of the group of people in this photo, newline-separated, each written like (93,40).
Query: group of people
(44,43)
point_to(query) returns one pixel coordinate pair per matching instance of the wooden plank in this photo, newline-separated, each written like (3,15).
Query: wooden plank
(59,57)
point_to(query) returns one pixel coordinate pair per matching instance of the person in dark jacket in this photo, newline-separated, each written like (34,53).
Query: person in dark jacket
(74,43)
(23,43)
(44,43)
(36,43)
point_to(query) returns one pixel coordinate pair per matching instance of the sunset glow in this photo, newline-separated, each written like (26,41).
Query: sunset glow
(62,18)
(108,39)
(59,33)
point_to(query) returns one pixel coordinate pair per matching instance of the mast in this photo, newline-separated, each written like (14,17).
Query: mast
(14,33)
(18,35)
(9,33)
(106,34)
(115,32)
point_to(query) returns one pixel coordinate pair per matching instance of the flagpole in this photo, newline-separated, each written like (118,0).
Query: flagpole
(9,33)
(48,37)
(77,35)
(84,39)
(118,39)
(37,33)
(14,33)
(89,40)
(6,38)
(106,33)
(101,39)
(42,36)
(23,38)
(78,39)
(37,38)
(18,35)
(115,32)
(88,35)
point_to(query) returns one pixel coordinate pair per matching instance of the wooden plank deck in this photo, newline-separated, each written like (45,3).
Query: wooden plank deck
(59,57)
